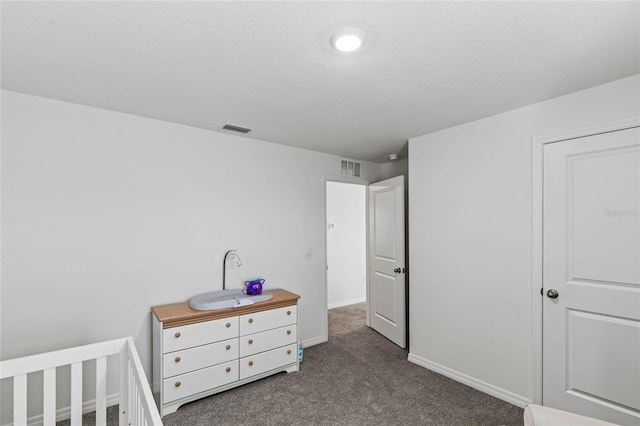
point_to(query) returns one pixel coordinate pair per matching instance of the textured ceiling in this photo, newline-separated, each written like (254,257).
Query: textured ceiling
(424,66)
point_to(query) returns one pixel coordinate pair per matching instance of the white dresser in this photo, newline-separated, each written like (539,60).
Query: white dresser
(200,353)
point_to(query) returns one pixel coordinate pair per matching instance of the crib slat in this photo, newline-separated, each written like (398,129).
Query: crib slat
(49,398)
(124,389)
(76,394)
(101,391)
(133,409)
(20,399)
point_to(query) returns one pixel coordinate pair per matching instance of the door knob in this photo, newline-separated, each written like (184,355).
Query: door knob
(552,294)
(397,270)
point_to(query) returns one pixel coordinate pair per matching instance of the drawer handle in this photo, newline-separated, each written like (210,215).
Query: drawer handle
(250,363)
(288,331)
(228,324)
(177,359)
(250,320)
(228,347)
(288,351)
(288,312)
(177,334)
(250,341)
(228,369)
(178,384)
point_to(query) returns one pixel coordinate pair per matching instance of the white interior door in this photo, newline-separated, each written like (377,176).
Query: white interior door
(591,276)
(387,284)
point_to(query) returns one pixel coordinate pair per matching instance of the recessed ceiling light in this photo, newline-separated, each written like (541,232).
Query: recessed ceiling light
(348,43)
(347,39)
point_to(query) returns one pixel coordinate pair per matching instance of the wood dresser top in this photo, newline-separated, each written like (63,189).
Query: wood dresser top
(179,314)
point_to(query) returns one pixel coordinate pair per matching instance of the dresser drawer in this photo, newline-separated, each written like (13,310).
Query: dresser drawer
(180,362)
(260,342)
(199,381)
(266,320)
(188,336)
(265,361)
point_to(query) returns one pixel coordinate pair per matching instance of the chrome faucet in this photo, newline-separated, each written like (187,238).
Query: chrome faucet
(238,262)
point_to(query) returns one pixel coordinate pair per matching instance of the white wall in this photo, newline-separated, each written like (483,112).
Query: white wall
(396,168)
(470,246)
(107,214)
(346,244)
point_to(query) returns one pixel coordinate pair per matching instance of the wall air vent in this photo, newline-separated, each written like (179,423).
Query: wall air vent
(235,128)
(349,168)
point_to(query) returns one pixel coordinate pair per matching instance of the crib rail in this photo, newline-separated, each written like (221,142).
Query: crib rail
(137,406)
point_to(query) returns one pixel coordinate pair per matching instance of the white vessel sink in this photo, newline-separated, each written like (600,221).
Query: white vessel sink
(231,298)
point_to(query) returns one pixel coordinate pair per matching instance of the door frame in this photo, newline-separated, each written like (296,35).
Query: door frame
(537,156)
(325,290)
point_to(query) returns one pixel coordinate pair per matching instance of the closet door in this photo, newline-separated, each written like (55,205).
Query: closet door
(591,276)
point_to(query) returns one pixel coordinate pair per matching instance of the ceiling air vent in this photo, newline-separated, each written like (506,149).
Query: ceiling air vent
(349,168)
(235,128)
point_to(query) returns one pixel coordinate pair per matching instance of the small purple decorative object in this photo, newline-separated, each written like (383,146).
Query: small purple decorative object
(254,287)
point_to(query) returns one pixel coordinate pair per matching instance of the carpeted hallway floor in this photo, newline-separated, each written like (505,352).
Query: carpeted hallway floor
(357,378)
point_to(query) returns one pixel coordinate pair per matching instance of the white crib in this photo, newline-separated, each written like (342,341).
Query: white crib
(137,407)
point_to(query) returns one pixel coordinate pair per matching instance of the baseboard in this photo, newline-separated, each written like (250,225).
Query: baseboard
(346,303)
(314,341)
(485,387)
(65,412)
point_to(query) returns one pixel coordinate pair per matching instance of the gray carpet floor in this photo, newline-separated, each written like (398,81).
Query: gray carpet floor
(357,378)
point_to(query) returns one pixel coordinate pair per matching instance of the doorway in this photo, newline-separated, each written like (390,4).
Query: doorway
(346,234)
(365,255)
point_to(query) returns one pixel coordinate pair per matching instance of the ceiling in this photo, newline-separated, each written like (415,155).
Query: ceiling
(424,66)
